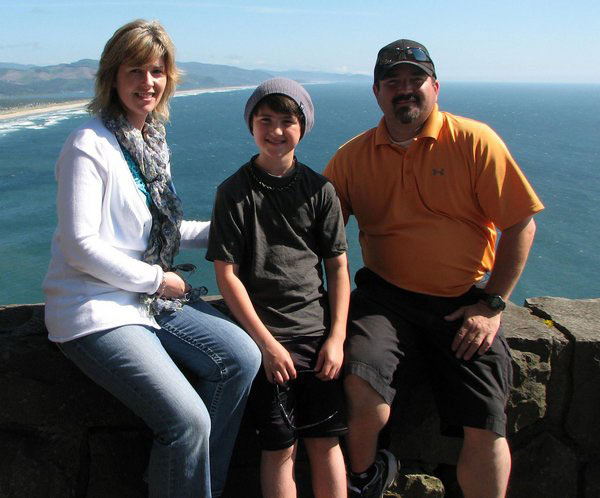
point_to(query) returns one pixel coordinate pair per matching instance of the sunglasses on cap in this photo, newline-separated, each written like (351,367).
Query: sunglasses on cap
(397,54)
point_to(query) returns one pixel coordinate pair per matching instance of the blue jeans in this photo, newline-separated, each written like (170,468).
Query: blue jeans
(194,424)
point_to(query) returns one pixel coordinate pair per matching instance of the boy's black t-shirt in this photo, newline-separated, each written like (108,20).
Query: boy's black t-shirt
(278,230)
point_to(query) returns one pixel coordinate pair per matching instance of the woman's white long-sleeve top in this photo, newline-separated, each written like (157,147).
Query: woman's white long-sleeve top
(96,275)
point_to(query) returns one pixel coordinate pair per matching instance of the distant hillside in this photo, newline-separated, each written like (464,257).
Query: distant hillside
(200,75)
(27,81)
(46,80)
(10,65)
(315,76)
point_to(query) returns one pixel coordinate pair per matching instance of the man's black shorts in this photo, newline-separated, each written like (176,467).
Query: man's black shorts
(384,322)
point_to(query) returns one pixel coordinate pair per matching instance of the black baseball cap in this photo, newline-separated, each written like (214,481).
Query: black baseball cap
(403,52)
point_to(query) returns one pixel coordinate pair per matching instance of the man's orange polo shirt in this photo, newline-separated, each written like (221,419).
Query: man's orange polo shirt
(428,214)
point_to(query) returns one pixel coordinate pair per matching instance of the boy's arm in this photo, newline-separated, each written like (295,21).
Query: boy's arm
(331,355)
(277,362)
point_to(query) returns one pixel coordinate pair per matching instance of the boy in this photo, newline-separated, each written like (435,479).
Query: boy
(274,222)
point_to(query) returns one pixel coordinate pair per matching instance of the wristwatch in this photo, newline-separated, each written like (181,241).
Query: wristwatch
(494,302)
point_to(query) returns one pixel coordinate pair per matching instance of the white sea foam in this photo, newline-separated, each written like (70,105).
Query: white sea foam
(199,91)
(37,121)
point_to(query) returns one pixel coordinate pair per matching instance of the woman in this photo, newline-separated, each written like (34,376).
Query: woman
(112,304)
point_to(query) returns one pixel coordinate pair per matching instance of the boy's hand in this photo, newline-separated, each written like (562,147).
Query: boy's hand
(278,364)
(330,359)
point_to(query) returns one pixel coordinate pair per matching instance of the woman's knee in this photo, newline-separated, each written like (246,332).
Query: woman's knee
(246,357)
(189,421)
(251,360)
(200,424)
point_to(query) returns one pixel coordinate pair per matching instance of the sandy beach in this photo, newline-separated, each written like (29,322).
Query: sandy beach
(35,110)
(19,112)
(198,91)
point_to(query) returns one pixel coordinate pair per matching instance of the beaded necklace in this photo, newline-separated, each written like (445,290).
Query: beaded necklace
(270,188)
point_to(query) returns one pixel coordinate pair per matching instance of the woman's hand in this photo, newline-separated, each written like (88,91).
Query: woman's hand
(174,286)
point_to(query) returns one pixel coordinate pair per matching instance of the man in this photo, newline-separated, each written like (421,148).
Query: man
(429,189)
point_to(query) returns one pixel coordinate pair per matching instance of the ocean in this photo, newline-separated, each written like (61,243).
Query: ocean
(551,130)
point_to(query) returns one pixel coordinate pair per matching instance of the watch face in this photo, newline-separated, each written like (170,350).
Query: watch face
(495,302)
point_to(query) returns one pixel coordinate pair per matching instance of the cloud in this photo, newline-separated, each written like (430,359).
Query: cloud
(234,59)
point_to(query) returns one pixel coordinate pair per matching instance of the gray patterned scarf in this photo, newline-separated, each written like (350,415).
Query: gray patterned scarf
(150,152)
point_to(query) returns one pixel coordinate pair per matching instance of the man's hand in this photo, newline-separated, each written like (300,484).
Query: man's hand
(330,359)
(277,362)
(477,332)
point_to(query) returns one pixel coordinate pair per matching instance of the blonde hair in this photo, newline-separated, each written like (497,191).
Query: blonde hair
(135,43)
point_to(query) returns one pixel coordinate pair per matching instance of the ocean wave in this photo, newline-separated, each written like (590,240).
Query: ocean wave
(199,91)
(37,121)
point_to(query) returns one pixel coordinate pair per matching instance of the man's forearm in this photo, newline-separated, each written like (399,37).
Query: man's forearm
(511,256)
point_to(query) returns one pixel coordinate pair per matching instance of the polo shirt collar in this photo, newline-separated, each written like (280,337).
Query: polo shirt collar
(382,136)
(431,128)
(433,125)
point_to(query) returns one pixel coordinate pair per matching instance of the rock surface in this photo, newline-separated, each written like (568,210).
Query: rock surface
(62,436)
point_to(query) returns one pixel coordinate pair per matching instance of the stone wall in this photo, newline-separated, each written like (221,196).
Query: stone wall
(62,436)
(553,411)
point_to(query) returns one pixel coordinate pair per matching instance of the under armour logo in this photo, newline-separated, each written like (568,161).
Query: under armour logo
(437,171)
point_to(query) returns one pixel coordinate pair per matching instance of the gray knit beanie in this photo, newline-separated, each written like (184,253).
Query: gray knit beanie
(287,87)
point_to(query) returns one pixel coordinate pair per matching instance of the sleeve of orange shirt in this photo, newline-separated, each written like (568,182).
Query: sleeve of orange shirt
(504,193)
(334,172)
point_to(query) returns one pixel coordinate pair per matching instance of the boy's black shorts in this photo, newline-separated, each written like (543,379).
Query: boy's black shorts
(316,408)
(387,323)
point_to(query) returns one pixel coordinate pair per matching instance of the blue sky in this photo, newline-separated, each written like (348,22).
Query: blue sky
(508,40)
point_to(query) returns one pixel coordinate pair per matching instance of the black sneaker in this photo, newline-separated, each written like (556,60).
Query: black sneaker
(386,467)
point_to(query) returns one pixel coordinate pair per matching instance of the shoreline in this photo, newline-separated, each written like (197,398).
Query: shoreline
(71,105)
(38,109)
